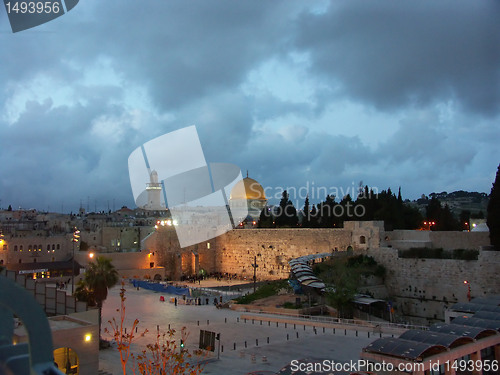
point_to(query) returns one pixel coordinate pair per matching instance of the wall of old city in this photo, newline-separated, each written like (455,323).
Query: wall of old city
(424,288)
(129,265)
(405,239)
(236,250)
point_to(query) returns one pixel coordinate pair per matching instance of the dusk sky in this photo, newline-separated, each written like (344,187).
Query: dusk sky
(299,93)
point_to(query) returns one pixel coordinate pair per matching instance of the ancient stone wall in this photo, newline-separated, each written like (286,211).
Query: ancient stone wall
(424,288)
(236,251)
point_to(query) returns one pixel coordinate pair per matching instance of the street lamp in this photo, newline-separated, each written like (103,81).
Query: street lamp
(255,265)
(76,238)
(468,289)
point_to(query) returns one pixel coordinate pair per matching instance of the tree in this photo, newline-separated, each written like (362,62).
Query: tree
(266,218)
(307,214)
(99,277)
(493,217)
(287,213)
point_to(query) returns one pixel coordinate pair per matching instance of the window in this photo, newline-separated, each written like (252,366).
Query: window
(1,261)
(29,247)
(48,247)
(151,264)
(20,260)
(53,247)
(362,239)
(15,247)
(58,246)
(21,248)
(34,260)
(39,247)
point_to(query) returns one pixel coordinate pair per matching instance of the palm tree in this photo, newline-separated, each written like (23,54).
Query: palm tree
(99,277)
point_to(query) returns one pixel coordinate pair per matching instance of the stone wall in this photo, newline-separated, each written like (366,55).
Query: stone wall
(134,264)
(404,239)
(424,288)
(237,250)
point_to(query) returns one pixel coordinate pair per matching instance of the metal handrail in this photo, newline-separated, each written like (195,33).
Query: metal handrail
(331,320)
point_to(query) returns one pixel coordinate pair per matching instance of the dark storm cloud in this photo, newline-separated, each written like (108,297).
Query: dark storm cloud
(394,53)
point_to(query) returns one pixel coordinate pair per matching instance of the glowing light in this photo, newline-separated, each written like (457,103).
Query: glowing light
(91,255)
(174,222)
(88,337)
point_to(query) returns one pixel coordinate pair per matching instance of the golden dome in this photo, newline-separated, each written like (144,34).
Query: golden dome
(247,188)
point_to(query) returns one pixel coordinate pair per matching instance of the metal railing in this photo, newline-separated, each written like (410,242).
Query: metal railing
(332,320)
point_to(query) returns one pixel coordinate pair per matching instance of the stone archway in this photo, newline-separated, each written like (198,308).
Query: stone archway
(66,359)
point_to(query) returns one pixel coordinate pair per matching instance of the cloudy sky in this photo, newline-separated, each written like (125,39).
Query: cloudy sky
(316,93)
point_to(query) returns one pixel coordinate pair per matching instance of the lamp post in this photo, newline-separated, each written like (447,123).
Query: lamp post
(468,290)
(76,238)
(255,265)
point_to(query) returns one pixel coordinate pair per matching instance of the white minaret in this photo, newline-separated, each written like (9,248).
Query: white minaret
(154,192)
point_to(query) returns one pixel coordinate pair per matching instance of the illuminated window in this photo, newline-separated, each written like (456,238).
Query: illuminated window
(48,247)
(53,247)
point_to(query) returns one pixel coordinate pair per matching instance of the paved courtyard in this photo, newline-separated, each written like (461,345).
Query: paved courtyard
(283,347)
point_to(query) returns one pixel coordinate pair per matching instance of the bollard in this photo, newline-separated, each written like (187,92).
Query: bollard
(237,320)
(245,344)
(334,331)
(252,321)
(158,328)
(234,346)
(222,348)
(269,323)
(294,326)
(169,326)
(368,334)
(125,330)
(225,320)
(198,322)
(208,322)
(261,322)
(345,332)
(356,333)
(323,329)
(136,329)
(268,339)
(315,332)
(257,342)
(380,334)
(297,332)
(245,320)
(276,324)
(304,327)
(285,325)
(287,337)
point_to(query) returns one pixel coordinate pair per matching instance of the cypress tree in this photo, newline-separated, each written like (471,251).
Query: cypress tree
(493,218)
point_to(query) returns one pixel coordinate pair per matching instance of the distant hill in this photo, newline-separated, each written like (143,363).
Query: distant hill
(460,200)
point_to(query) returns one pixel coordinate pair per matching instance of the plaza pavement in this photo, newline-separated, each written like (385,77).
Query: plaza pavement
(145,305)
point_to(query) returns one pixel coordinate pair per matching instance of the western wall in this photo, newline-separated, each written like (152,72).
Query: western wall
(419,288)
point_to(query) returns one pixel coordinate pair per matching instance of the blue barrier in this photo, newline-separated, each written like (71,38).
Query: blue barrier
(161,288)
